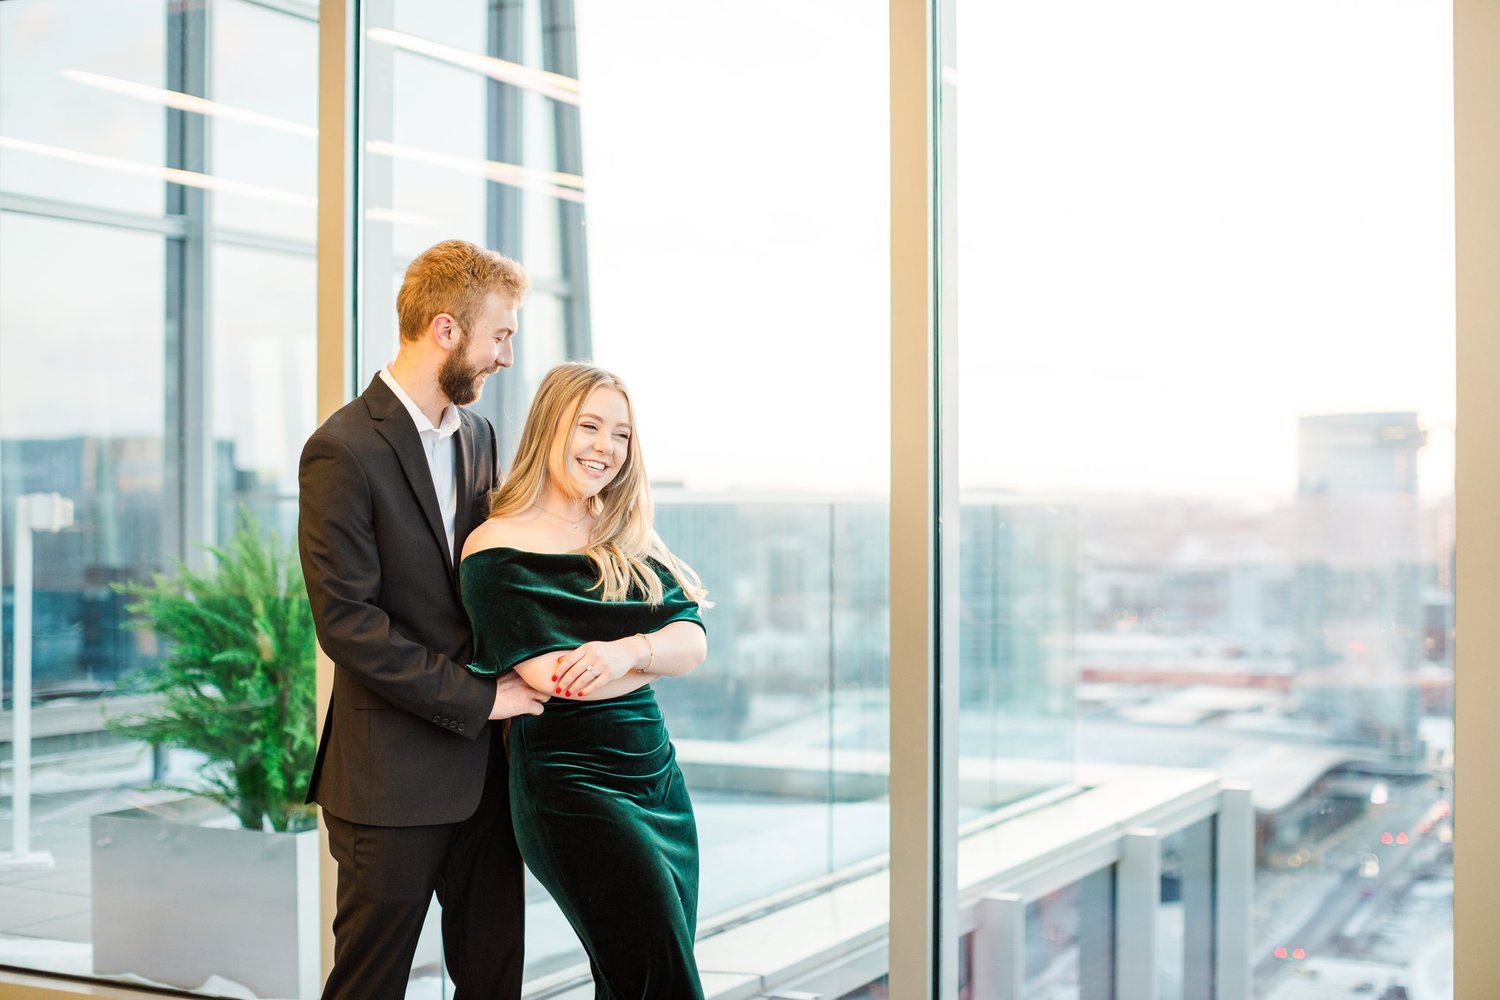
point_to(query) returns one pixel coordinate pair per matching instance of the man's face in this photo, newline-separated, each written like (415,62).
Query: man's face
(482,350)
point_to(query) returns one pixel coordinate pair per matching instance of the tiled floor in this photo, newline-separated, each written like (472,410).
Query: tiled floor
(45,914)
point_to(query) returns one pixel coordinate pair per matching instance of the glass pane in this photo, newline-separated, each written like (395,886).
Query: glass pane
(161,393)
(782,734)
(1018,593)
(459,25)
(1188,342)
(1018,584)
(742,294)
(433,151)
(264,126)
(265,360)
(85,422)
(1069,946)
(459,146)
(82,117)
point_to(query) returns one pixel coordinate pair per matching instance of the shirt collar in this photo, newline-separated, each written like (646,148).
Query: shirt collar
(450,412)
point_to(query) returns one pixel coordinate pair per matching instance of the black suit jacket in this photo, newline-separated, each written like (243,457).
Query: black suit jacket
(407,738)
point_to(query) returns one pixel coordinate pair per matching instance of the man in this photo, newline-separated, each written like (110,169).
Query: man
(411,770)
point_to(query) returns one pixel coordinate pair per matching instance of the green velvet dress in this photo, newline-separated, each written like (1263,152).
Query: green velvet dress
(600,809)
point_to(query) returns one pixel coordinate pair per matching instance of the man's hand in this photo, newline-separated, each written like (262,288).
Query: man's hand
(513,697)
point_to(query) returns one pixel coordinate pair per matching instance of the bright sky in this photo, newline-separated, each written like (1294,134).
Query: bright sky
(1182,226)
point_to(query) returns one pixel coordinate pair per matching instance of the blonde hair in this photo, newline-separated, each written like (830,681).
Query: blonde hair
(453,277)
(623,537)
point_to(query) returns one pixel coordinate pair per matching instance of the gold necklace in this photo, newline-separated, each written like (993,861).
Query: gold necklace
(572,524)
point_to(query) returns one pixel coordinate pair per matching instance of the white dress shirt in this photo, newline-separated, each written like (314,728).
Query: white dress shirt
(437,442)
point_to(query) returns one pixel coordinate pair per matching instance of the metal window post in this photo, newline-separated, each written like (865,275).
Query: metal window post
(34,512)
(188,451)
(560,55)
(339,49)
(924,519)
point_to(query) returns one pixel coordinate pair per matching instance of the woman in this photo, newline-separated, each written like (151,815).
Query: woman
(568,584)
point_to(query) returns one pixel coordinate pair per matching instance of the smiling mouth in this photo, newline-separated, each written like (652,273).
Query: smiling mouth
(592,465)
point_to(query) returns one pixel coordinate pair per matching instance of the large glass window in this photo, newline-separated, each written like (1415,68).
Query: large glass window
(737,293)
(1202,287)
(157,173)
(470,118)
(263,389)
(81,116)
(471,128)
(82,416)
(701,244)
(1206,318)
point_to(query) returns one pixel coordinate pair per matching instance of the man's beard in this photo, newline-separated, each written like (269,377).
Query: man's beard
(460,380)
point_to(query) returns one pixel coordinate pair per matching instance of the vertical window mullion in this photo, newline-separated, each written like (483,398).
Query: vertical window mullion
(188,451)
(560,55)
(340,51)
(504,140)
(923,907)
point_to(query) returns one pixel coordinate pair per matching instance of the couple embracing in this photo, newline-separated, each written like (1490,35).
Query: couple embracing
(493,646)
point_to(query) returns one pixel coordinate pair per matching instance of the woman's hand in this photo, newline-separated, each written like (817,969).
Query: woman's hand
(578,672)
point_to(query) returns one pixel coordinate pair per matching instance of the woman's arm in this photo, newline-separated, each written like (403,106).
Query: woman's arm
(541,674)
(598,670)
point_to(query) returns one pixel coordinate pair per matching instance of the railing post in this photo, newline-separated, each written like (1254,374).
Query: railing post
(1137,913)
(1199,911)
(1234,891)
(999,966)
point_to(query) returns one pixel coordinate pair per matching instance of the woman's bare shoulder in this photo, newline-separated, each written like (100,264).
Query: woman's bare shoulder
(498,532)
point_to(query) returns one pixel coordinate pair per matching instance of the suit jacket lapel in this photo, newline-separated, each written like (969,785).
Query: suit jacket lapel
(463,471)
(407,444)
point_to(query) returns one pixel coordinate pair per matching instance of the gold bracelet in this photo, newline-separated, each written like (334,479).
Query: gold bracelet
(651,654)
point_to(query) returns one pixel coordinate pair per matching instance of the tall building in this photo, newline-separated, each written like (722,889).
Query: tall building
(1361,621)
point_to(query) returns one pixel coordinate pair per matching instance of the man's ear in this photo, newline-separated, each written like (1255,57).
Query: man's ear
(444,330)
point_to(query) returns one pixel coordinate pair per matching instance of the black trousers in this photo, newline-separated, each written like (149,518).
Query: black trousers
(386,878)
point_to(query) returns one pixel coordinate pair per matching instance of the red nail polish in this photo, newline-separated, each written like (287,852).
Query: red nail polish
(558,690)
(554,678)
(567,694)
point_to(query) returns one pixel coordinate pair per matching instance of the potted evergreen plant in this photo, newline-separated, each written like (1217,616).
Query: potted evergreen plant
(222,884)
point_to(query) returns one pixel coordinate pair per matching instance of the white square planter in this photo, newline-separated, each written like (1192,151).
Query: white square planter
(177,902)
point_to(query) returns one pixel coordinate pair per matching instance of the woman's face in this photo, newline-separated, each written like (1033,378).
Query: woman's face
(598,444)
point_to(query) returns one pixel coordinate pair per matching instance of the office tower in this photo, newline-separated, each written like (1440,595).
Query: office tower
(1358,593)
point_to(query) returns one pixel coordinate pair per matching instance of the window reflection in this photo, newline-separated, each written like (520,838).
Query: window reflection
(156,364)
(264,396)
(70,138)
(81,416)
(1257,464)
(271,140)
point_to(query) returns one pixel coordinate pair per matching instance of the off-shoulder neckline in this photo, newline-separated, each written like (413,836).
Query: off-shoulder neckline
(516,551)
